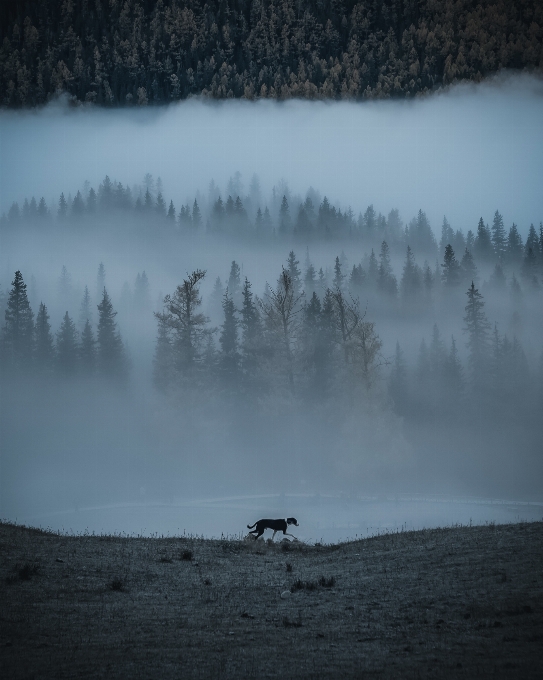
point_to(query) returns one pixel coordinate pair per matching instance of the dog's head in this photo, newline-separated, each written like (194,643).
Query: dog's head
(292,520)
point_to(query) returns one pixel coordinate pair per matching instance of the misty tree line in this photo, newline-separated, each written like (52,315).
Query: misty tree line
(283,217)
(309,336)
(306,337)
(137,52)
(29,347)
(277,343)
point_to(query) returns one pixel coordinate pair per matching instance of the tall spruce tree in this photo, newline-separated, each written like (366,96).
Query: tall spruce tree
(499,239)
(514,251)
(386,281)
(251,330)
(18,332)
(110,356)
(294,271)
(87,350)
(44,347)
(285,222)
(411,281)
(229,362)
(186,325)
(234,283)
(450,275)
(67,350)
(477,329)
(85,310)
(482,248)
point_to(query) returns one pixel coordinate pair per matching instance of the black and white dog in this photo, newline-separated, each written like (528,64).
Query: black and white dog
(275,525)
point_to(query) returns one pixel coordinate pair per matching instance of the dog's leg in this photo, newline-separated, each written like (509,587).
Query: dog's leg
(293,536)
(274,534)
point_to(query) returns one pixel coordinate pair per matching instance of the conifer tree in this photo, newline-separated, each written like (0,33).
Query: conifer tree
(186,324)
(62,208)
(44,347)
(91,202)
(85,310)
(316,346)
(171,212)
(234,283)
(373,270)
(267,225)
(499,239)
(514,245)
(482,248)
(294,271)
(148,202)
(285,222)
(428,282)
(196,216)
(43,212)
(477,329)
(66,349)
(322,282)
(87,350)
(78,205)
(251,330)
(468,268)
(450,275)
(215,300)
(160,206)
(357,279)
(410,284)
(310,281)
(386,280)
(532,242)
(110,356)
(447,236)
(339,277)
(18,332)
(228,340)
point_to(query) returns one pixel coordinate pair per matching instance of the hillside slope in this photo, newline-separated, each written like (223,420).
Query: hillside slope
(462,602)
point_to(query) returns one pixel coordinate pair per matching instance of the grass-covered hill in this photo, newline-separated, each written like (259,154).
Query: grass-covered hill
(463,602)
(126,52)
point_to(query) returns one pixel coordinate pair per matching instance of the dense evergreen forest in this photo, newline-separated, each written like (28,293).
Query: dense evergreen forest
(138,52)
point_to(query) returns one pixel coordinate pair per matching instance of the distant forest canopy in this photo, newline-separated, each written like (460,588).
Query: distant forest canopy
(138,52)
(283,217)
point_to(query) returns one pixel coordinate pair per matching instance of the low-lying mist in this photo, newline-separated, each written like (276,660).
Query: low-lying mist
(461,152)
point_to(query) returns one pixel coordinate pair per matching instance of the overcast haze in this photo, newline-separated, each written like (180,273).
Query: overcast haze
(278,431)
(464,152)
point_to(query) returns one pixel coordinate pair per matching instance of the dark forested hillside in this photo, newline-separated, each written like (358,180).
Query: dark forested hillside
(115,52)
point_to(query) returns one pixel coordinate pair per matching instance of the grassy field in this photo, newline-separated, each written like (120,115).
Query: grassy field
(463,602)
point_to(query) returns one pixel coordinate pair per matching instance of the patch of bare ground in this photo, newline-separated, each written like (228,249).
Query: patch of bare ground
(461,602)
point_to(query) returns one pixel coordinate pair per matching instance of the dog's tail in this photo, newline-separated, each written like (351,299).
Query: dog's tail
(254,525)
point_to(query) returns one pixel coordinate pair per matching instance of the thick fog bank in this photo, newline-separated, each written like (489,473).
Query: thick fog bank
(463,153)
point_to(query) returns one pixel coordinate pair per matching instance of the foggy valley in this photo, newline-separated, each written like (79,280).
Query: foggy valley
(215,312)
